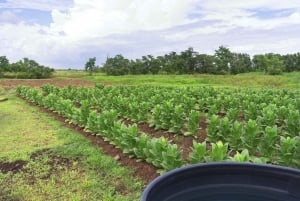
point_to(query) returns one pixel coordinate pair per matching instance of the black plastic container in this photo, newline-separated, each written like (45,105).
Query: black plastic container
(226,182)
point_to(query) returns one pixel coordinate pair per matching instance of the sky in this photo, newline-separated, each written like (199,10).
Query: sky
(65,33)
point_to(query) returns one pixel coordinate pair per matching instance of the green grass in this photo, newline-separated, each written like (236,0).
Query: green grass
(88,175)
(67,74)
(254,79)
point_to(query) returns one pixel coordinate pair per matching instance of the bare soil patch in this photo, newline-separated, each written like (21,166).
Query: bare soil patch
(11,84)
(3,99)
(15,166)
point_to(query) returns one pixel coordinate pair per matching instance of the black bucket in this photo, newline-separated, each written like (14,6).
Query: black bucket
(226,182)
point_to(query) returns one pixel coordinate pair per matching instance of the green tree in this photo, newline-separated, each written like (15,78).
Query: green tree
(117,65)
(260,63)
(4,64)
(291,62)
(205,64)
(90,65)
(30,69)
(269,63)
(274,64)
(223,60)
(241,63)
(188,61)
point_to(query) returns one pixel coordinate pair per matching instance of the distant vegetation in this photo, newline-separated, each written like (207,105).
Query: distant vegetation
(25,69)
(190,62)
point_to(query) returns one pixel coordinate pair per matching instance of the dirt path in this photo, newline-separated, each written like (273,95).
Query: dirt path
(11,84)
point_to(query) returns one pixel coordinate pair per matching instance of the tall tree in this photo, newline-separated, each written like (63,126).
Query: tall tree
(259,62)
(269,63)
(90,65)
(4,65)
(117,65)
(205,64)
(223,59)
(274,64)
(188,61)
(241,63)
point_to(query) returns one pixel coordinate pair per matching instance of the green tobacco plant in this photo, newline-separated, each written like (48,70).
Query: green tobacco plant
(172,158)
(166,114)
(177,119)
(84,113)
(233,114)
(241,156)
(213,128)
(292,121)
(192,124)
(50,101)
(251,111)
(162,154)
(282,114)
(154,150)
(288,148)
(213,110)
(156,121)
(224,129)
(92,124)
(267,146)
(127,138)
(235,138)
(142,113)
(218,151)
(251,136)
(268,117)
(198,153)
(141,145)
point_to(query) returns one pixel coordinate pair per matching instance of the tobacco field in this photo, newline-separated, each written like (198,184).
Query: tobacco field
(185,125)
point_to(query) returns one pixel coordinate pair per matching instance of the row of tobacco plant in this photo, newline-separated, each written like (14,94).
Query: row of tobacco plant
(257,125)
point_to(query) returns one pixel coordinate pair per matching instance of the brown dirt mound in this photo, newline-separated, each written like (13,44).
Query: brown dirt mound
(11,84)
(14,167)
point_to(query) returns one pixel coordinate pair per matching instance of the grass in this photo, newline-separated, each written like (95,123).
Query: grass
(66,165)
(253,79)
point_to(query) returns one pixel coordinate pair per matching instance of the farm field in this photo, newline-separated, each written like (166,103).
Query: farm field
(254,79)
(170,127)
(158,127)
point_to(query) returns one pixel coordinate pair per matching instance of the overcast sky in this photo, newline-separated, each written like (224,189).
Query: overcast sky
(65,33)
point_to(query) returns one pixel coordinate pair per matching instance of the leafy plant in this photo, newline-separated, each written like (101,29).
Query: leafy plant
(241,156)
(233,114)
(177,119)
(287,149)
(218,151)
(198,153)
(267,144)
(141,145)
(235,138)
(251,136)
(292,121)
(192,124)
(213,128)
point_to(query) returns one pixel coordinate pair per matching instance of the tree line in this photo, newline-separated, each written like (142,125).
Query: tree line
(223,61)
(25,69)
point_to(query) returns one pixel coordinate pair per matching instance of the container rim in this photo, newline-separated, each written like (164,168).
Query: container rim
(246,165)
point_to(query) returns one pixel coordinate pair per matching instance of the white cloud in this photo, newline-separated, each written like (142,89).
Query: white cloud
(81,29)
(8,17)
(45,5)
(101,18)
(224,5)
